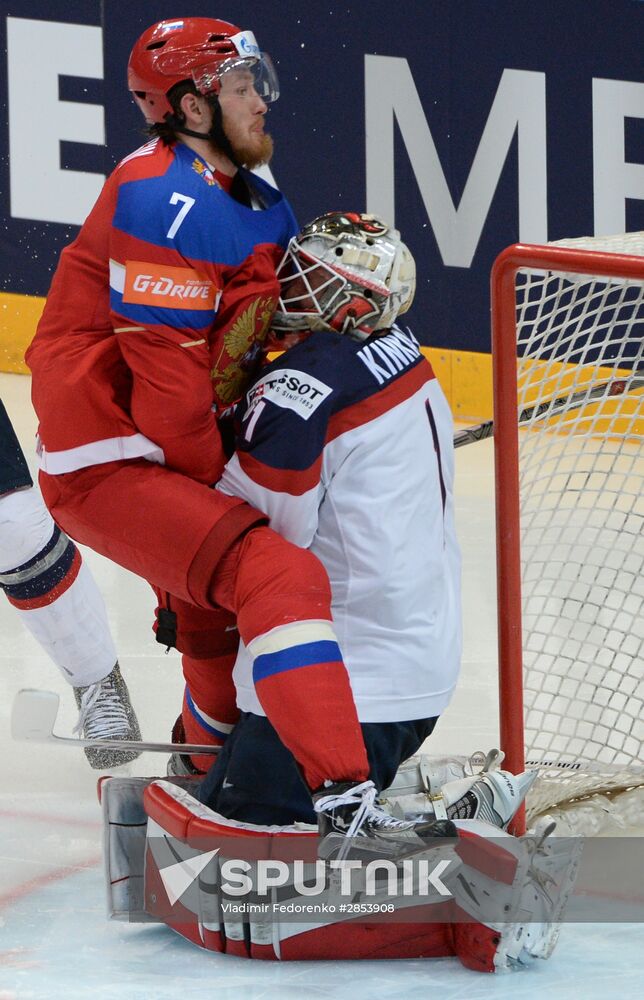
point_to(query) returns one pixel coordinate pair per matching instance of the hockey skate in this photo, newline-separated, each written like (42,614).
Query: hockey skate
(352,824)
(106,713)
(492,795)
(180,764)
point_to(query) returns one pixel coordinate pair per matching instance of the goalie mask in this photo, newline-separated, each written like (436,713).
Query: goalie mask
(347,272)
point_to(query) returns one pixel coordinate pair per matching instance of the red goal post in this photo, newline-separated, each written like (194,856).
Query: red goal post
(567,326)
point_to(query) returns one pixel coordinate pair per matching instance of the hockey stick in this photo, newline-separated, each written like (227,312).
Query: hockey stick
(605,390)
(574,767)
(34,715)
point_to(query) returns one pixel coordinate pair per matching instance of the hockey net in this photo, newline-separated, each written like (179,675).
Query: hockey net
(568,335)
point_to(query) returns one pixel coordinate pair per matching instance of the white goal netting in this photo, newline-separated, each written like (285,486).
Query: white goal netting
(580,374)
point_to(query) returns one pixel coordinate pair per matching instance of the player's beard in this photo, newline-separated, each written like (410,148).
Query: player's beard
(255,155)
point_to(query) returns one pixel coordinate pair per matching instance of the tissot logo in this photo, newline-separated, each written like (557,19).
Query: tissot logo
(293,390)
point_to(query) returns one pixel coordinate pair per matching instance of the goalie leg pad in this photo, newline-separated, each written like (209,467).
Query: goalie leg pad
(494,798)
(124,829)
(441,788)
(516,887)
(183,834)
(188,846)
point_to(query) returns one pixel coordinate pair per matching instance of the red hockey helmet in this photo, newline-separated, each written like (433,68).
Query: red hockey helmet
(200,49)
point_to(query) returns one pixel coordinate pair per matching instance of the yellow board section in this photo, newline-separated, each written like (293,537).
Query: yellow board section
(465,376)
(617,415)
(466,380)
(19,315)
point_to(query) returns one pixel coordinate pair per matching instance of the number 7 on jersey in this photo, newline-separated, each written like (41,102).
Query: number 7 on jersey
(187,204)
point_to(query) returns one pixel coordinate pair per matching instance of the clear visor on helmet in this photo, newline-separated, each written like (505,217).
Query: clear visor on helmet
(258,71)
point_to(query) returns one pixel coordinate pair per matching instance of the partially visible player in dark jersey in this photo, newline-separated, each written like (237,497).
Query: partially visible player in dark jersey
(52,590)
(153,314)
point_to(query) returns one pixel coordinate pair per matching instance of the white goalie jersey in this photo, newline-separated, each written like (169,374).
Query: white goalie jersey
(348,448)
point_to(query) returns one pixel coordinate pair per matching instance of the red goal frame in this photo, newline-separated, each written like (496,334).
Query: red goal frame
(506,460)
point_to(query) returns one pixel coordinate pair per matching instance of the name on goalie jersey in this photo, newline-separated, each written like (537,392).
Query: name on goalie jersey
(293,390)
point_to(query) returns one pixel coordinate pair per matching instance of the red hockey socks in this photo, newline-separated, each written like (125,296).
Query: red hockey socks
(209,709)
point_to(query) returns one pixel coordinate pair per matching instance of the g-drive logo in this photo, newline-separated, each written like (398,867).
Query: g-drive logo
(171,287)
(412,877)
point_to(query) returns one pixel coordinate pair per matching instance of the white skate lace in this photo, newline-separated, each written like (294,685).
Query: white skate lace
(364,796)
(101,713)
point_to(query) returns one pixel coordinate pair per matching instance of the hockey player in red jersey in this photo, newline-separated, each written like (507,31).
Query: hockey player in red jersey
(46,580)
(152,314)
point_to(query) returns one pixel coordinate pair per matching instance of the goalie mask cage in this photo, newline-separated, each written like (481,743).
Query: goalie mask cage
(567,340)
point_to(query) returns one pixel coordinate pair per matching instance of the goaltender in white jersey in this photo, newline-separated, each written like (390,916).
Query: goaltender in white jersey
(347,445)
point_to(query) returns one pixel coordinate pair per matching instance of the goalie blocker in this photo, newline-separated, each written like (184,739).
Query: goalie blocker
(492,900)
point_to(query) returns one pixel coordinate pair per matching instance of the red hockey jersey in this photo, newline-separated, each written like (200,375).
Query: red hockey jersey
(151,312)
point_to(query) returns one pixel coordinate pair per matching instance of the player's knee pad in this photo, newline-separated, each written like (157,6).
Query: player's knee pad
(262,892)
(38,562)
(26,526)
